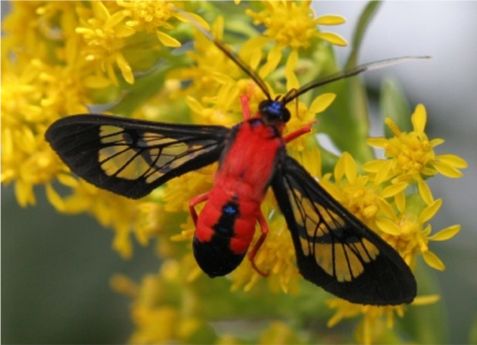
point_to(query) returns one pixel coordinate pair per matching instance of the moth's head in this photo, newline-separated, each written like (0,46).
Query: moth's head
(273,112)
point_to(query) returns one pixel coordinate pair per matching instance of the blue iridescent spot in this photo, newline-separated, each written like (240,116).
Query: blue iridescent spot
(230,209)
(275,107)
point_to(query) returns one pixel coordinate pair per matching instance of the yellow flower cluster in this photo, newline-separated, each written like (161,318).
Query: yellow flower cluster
(61,57)
(66,58)
(392,198)
(290,25)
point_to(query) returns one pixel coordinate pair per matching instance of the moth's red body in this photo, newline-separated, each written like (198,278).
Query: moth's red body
(227,221)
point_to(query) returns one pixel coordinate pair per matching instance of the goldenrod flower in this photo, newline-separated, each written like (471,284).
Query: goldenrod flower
(154,16)
(374,319)
(61,57)
(411,156)
(409,232)
(158,318)
(104,37)
(382,196)
(292,25)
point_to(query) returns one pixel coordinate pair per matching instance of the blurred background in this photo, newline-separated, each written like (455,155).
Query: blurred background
(56,268)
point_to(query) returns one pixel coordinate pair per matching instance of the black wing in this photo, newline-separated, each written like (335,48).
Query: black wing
(334,249)
(132,157)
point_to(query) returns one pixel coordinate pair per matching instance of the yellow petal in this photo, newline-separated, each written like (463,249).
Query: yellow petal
(419,118)
(54,198)
(386,208)
(453,161)
(124,31)
(447,170)
(385,173)
(273,59)
(125,68)
(425,192)
(292,80)
(251,51)
(436,142)
(446,234)
(330,19)
(24,193)
(99,10)
(400,201)
(189,15)
(394,189)
(433,260)
(218,27)
(115,19)
(68,180)
(351,170)
(321,103)
(387,226)
(167,40)
(373,166)
(392,126)
(430,211)
(426,299)
(333,38)
(194,105)
(378,142)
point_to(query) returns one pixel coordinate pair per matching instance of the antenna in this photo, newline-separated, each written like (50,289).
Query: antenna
(293,93)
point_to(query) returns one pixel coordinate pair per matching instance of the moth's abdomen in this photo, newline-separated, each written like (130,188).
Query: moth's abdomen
(224,231)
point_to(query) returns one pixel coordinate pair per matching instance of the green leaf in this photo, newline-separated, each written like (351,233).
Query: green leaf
(346,121)
(358,35)
(393,104)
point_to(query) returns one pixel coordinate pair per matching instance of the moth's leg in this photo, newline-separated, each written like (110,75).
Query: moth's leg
(245,103)
(251,255)
(194,202)
(299,132)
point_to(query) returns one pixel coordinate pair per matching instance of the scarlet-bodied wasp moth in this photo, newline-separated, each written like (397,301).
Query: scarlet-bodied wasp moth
(334,249)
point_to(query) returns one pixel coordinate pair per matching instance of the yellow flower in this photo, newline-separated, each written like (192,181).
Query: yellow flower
(213,95)
(409,232)
(153,15)
(289,24)
(158,316)
(276,257)
(411,156)
(401,220)
(33,95)
(293,24)
(375,319)
(104,37)
(358,193)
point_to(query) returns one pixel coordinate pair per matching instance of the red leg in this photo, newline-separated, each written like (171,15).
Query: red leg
(193,202)
(258,244)
(244,101)
(299,132)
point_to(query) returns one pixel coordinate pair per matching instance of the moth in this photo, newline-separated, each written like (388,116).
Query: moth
(334,249)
